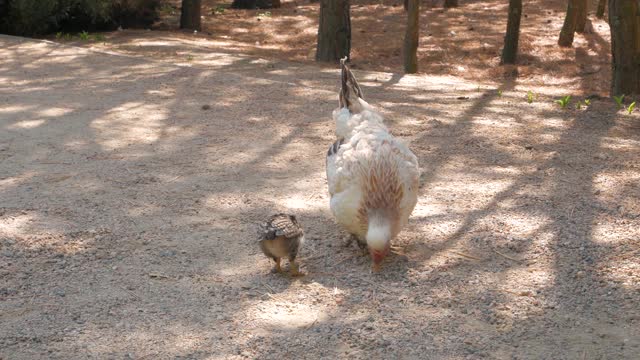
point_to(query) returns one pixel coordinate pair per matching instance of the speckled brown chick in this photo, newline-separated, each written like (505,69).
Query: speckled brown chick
(281,236)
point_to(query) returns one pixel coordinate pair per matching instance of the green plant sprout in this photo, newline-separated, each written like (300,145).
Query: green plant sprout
(84,36)
(59,35)
(631,107)
(218,10)
(578,105)
(530,96)
(563,102)
(98,37)
(587,102)
(500,93)
(264,14)
(619,100)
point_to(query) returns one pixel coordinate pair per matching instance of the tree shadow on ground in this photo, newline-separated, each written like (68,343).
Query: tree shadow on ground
(128,215)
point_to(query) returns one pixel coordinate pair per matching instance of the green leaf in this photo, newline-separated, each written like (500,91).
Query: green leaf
(563,102)
(619,100)
(530,96)
(631,107)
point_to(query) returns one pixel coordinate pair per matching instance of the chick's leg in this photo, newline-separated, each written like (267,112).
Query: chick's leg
(277,269)
(294,269)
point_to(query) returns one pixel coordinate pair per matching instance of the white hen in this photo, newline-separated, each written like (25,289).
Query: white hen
(373,177)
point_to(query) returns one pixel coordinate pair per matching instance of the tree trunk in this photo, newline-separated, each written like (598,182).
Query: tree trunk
(581,21)
(190,14)
(334,31)
(600,12)
(406,5)
(450,3)
(624,18)
(411,37)
(510,50)
(569,26)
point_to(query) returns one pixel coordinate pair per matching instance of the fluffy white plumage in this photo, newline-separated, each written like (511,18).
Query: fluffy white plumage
(372,176)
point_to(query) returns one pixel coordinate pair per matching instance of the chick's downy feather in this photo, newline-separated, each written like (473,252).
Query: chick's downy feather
(281,236)
(372,176)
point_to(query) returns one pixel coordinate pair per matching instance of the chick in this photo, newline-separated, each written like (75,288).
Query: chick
(282,236)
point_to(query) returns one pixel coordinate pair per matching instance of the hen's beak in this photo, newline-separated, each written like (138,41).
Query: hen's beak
(376,267)
(378,256)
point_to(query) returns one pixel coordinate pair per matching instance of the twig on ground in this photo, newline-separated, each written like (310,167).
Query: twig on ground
(159,276)
(624,255)
(131,293)
(466,255)
(506,256)
(517,293)
(175,178)
(310,325)
(273,297)
(311,258)
(374,284)
(343,260)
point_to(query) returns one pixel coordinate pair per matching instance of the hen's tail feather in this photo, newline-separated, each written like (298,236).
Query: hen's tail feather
(350,90)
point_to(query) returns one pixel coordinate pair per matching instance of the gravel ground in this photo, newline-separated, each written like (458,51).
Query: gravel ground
(130,190)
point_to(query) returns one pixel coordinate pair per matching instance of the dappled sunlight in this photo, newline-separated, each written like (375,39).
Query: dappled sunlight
(286,315)
(33,231)
(15,225)
(9,182)
(133,189)
(27,124)
(625,272)
(54,112)
(133,120)
(11,109)
(611,234)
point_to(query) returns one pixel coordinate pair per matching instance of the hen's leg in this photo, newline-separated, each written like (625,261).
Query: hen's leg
(363,247)
(350,238)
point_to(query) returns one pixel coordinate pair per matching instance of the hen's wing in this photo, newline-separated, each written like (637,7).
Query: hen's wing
(349,170)
(331,165)
(344,186)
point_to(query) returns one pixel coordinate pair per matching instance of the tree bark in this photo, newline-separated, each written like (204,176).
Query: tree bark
(581,21)
(450,3)
(411,38)
(624,20)
(569,26)
(601,6)
(190,14)
(334,31)
(510,50)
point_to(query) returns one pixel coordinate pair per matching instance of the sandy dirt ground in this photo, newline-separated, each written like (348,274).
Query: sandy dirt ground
(128,215)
